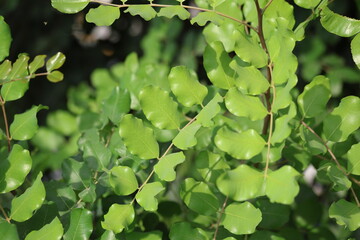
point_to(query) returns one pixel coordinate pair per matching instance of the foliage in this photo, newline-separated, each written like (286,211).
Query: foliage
(154,151)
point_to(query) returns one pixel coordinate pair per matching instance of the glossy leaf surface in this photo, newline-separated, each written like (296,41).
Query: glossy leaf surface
(103,15)
(123,180)
(55,76)
(183,230)
(55,62)
(80,225)
(309,4)
(38,62)
(165,167)
(5,39)
(345,213)
(51,231)
(355,49)
(69,6)
(119,216)
(146,197)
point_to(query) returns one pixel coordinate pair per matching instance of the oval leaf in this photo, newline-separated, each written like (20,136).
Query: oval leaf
(103,15)
(69,6)
(355,49)
(38,62)
(51,231)
(118,217)
(186,137)
(5,39)
(5,69)
(144,11)
(117,104)
(55,62)
(345,213)
(146,197)
(123,180)
(353,164)
(80,225)
(165,167)
(55,76)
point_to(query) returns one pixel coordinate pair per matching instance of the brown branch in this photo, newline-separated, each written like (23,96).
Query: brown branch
(355,197)
(2,103)
(219,219)
(4,213)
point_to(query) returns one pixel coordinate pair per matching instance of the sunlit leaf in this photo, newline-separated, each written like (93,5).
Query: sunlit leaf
(222,33)
(5,69)
(165,167)
(117,104)
(309,4)
(283,96)
(186,137)
(51,231)
(345,213)
(80,225)
(146,197)
(69,6)
(123,180)
(38,62)
(108,235)
(274,215)
(203,17)
(209,111)
(353,164)
(241,218)
(355,49)
(281,9)
(24,205)
(103,15)
(8,231)
(172,11)
(339,179)
(119,216)
(55,62)
(55,76)
(5,39)
(139,140)
(183,230)
(144,11)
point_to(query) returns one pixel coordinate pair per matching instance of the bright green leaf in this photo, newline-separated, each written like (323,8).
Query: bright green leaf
(283,10)
(241,218)
(186,137)
(8,231)
(144,11)
(172,11)
(118,217)
(165,167)
(283,94)
(355,49)
(108,235)
(210,165)
(183,230)
(38,62)
(146,197)
(25,124)
(117,104)
(81,225)
(24,205)
(55,76)
(139,140)
(203,17)
(103,15)
(222,33)
(5,39)
(282,127)
(5,69)
(55,62)
(339,179)
(51,231)
(209,111)
(123,180)
(62,121)
(69,6)
(88,195)
(345,213)
(353,164)
(309,4)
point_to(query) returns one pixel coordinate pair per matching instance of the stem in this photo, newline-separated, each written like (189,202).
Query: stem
(219,219)
(4,213)
(2,103)
(26,77)
(354,194)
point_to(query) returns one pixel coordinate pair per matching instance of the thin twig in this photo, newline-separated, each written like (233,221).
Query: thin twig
(4,213)
(2,103)
(267,5)
(220,216)
(27,78)
(355,197)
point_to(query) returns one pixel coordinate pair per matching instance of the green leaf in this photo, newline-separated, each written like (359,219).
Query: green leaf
(117,104)
(165,167)
(198,197)
(14,170)
(69,6)
(343,120)
(80,225)
(139,140)
(123,180)
(38,62)
(186,137)
(5,69)
(345,213)
(243,105)
(353,164)
(309,4)
(51,231)
(183,230)
(249,79)
(172,11)
(25,124)
(241,218)
(8,231)
(154,235)
(355,49)
(283,94)
(282,186)
(249,50)
(274,215)
(146,197)
(55,62)
(216,63)
(209,111)
(210,165)
(119,216)
(55,76)
(5,39)
(203,17)
(338,24)
(62,121)
(23,206)
(249,183)
(312,101)
(339,179)
(103,15)
(186,87)
(222,33)
(267,235)
(282,127)
(243,145)
(159,108)
(108,235)
(76,174)
(144,11)
(88,195)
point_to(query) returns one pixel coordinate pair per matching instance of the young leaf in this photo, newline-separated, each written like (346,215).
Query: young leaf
(281,185)
(146,197)
(249,183)
(172,11)
(159,108)
(103,15)
(123,180)
(353,164)
(119,216)
(165,167)
(209,111)
(243,105)
(345,213)
(355,49)
(5,39)
(309,4)
(8,231)
(282,128)
(241,218)
(186,137)
(339,179)
(80,226)
(203,17)
(216,63)
(186,87)
(38,62)
(139,140)
(23,206)
(69,6)
(5,69)
(183,230)
(55,76)
(343,120)
(14,170)
(243,145)
(117,104)
(25,124)
(144,11)
(55,62)
(312,101)
(198,197)
(51,231)
(338,24)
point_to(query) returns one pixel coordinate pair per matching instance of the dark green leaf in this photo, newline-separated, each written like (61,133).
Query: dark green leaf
(345,213)
(274,215)
(8,231)
(154,235)
(183,230)
(103,15)
(282,127)
(55,76)
(118,217)
(353,164)
(186,137)
(81,226)
(117,104)
(51,231)
(144,11)
(5,39)
(165,167)
(38,62)
(146,197)
(355,50)
(76,174)
(69,6)
(55,62)
(309,4)
(339,179)
(266,235)
(123,180)
(172,11)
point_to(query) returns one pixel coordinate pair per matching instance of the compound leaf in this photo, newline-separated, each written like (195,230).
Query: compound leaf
(80,225)
(103,15)
(5,39)
(165,167)
(186,137)
(69,6)
(172,11)
(355,49)
(144,11)
(345,213)
(353,164)
(51,231)
(123,180)
(146,197)
(119,216)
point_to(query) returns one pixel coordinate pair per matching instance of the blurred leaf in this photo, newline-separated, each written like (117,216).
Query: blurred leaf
(172,11)
(38,62)
(266,235)
(62,121)
(274,216)
(338,24)
(198,197)
(282,127)
(80,226)
(154,235)
(69,6)
(159,108)
(139,140)
(309,4)
(355,49)
(51,231)
(25,124)
(186,87)
(55,62)
(123,180)
(216,63)
(5,39)
(209,111)
(345,213)
(108,235)
(5,69)
(146,197)
(186,137)
(183,230)
(343,120)
(243,145)
(118,217)
(103,15)
(353,164)
(203,17)
(14,170)
(8,231)
(249,183)
(339,179)
(241,218)
(23,206)
(166,165)
(55,76)
(144,11)
(117,104)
